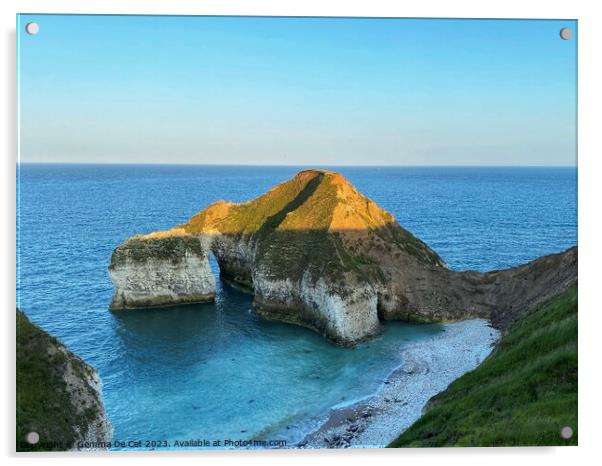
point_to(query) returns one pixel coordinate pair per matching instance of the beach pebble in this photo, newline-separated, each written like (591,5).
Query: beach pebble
(427,368)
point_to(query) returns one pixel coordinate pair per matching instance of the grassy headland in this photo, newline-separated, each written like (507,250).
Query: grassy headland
(45,402)
(522,395)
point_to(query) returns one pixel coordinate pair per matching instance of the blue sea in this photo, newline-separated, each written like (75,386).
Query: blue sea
(216,371)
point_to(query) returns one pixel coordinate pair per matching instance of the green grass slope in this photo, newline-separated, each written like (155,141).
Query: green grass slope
(522,395)
(43,401)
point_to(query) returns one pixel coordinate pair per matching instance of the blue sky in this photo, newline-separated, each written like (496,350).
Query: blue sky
(299,91)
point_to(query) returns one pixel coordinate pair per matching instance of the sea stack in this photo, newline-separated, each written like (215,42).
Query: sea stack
(161,269)
(317,253)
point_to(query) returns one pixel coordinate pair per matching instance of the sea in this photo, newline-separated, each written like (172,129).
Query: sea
(216,371)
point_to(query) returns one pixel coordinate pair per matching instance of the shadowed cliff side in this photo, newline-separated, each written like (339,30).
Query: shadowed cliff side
(315,252)
(58,395)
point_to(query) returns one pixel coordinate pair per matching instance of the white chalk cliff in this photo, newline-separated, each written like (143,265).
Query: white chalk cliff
(150,271)
(317,253)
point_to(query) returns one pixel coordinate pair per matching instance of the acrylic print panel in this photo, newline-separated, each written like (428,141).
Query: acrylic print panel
(257,233)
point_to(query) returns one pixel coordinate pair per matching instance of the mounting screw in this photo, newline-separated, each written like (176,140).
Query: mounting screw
(566,33)
(32,28)
(566,432)
(32,438)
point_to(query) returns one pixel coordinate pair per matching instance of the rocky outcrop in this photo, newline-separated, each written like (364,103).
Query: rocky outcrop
(317,253)
(161,270)
(58,395)
(432,295)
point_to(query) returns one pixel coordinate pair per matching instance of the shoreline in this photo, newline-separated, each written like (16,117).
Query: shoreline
(426,369)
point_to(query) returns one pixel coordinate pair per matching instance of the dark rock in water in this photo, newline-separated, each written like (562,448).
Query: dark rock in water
(58,395)
(317,253)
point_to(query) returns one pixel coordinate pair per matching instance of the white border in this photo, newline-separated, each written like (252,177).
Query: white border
(590,127)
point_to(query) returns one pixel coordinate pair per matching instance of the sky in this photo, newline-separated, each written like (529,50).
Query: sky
(296,91)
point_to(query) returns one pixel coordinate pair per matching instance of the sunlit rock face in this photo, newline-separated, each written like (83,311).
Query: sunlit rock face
(317,253)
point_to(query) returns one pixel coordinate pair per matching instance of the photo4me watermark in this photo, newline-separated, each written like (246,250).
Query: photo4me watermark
(184,443)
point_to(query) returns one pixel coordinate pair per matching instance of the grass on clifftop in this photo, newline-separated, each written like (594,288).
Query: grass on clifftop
(43,402)
(522,395)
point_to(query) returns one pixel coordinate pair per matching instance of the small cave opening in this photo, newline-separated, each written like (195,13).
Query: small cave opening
(215,269)
(230,273)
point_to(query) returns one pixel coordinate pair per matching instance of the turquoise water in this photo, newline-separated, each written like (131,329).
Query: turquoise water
(215,371)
